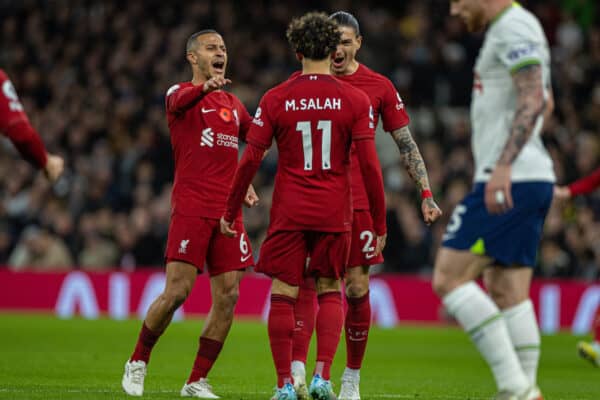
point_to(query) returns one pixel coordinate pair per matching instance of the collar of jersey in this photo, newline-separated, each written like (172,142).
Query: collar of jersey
(514,4)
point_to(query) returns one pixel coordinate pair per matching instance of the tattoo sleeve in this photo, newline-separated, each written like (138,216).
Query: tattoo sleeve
(530,105)
(411,157)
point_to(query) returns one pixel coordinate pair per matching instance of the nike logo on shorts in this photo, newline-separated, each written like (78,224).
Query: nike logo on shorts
(369,256)
(245,258)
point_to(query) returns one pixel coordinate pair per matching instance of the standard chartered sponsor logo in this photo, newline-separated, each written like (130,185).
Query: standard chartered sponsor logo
(227,140)
(210,139)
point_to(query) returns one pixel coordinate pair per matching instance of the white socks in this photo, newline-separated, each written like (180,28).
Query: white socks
(525,336)
(353,374)
(482,320)
(298,368)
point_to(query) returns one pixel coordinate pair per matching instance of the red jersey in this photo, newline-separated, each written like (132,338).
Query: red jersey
(314,119)
(15,124)
(587,184)
(205,129)
(11,110)
(386,103)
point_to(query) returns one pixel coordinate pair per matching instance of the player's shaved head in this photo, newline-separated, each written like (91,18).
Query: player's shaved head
(191,42)
(314,35)
(344,18)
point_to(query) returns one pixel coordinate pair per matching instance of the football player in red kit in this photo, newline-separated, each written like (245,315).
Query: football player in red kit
(587,350)
(386,103)
(15,125)
(315,119)
(205,123)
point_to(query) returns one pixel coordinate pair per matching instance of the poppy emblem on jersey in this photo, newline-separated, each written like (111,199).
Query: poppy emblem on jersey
(225,114)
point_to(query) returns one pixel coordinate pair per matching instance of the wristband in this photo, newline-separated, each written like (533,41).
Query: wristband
(425,194)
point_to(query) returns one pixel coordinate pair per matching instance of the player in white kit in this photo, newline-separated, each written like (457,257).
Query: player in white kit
(497,227)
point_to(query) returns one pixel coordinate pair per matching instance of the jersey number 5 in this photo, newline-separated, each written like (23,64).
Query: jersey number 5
(325,127)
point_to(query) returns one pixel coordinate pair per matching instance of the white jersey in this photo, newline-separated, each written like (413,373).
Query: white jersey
(515,39)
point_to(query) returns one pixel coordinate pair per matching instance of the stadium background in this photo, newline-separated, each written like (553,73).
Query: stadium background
(92,77)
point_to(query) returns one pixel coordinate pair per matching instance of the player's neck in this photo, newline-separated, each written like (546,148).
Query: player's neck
(198,78)
(316,66)
(352,68)
(497,8)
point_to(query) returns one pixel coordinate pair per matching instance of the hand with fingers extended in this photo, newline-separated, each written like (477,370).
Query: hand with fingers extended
(498,198)
(215,83)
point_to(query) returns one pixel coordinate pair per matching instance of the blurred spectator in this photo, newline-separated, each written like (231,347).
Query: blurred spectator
(95,88)
(40,250)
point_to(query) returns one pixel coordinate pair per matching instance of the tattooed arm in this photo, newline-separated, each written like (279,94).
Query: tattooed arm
(530,106)
(411,157)
(414,164)
(549,109)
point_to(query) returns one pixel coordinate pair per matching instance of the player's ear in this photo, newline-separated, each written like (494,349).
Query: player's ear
(191,57)
(359,41)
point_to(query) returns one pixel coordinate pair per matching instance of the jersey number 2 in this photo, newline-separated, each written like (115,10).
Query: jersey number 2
(325,127)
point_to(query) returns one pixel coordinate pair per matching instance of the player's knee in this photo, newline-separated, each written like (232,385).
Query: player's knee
(328,285)
(228,296)
(175,296)
(505,299)
(440,283)
(357,288)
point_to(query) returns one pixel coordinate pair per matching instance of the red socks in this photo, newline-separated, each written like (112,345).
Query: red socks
(358,322)
(146,341)
(205,358)
(304,312)
(330,319)
(281,329)
(596,326)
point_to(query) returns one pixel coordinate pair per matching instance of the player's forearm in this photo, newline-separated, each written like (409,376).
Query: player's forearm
(183,99)
(244,174)
(586,184)
(530,106)
(371,174)
(411,157)
(28,143)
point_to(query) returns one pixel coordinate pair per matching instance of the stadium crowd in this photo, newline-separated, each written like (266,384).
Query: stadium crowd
(92,77)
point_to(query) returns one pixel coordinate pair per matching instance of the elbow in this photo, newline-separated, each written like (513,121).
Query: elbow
(539,102)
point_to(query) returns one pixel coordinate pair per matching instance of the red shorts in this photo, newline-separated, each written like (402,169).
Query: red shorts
(198,241)
(283,255)
(364,241)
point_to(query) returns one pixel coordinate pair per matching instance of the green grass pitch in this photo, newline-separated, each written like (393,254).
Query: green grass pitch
(46,358)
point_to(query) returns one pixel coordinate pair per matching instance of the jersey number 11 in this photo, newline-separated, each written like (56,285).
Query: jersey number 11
(305,129)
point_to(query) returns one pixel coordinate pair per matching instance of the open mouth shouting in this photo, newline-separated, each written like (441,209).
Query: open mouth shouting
(218,66)
(338,61)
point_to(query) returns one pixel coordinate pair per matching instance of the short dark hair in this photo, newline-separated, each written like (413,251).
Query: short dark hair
(192,39)
(314,35)
(344,18)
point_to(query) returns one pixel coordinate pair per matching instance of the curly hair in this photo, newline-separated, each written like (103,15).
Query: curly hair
(314,35)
